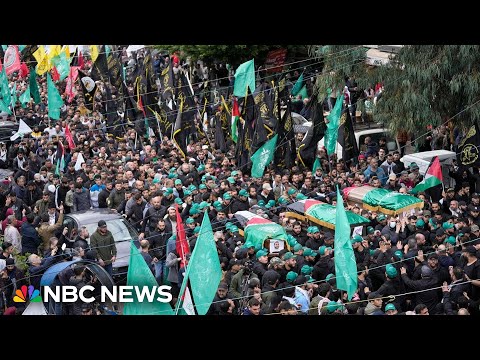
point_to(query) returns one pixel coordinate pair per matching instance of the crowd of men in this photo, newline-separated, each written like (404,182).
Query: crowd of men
(422,264)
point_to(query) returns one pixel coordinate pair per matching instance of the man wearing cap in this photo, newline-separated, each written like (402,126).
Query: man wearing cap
(392,183)
(393,286)
(241,203)
(316,240)
(103,243)
(266,194)
(261,265)
(390,309)
(325,265)
(362,254)
(382,222)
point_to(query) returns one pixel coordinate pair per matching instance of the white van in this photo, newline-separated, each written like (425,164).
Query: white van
(424,158)
(375,134)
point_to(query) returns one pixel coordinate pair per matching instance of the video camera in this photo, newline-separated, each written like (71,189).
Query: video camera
(247,267)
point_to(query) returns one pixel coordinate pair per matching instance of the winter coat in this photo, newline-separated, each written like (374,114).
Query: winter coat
(173,264)
(104,245)
(81,201)
(46,231)
(30,239)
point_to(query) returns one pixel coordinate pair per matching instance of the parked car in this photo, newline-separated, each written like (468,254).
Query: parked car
(120,228)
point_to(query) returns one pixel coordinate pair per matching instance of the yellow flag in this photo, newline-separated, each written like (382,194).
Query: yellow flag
(39,54)
(93,52)
(54,51)
(43,64)
(67,51)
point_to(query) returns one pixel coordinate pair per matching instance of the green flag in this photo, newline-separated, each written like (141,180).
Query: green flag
(141,276)
(107,50)
(34,87)
(303,92)
(263,156)
(244,78)
(25,97)
(5,108)
(298,86)
(62,65)
(345,264)
(316,165)
(203,269)
(333,118)
(21,47)
(4,47)
(55,101)
(5,94)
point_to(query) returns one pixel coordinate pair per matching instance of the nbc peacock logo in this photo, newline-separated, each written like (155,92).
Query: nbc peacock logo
(21,295)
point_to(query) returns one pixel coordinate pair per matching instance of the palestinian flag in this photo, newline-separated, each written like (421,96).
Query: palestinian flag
(322,213)
(258,229)
(235,117)
(383,200)
(433,177)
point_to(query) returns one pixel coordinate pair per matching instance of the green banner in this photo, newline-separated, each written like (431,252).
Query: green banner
(327,213)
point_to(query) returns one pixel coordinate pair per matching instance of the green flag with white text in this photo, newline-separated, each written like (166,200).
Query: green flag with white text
(344,258)
(333,124)
(263,156)
(25,97)
(140,275)
(203,270)
(244,78)
(62,65)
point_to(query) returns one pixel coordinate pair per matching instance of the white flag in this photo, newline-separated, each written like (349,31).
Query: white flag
(188,303)
(23,129)
(80,161)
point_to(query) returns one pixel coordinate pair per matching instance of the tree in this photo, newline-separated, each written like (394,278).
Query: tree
(423,84)
(231,54)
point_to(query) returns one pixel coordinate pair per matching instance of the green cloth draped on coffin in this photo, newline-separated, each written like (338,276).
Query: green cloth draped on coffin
(383,200)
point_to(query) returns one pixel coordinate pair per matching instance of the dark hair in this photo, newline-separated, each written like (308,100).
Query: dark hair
(253,302)
(6,245)
(418,309)
(77,270)
(285,305)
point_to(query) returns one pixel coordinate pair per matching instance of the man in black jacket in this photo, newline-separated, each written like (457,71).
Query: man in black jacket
(158,242)
(424,296)
(104,194)
(152,216)
(30,238)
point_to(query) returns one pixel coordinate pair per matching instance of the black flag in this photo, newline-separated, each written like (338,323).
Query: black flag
(468,149)
(307,150)
(181,132)
(166,83)
(219,134)
(100,67)
(346,137)
(286,149)
(89,89)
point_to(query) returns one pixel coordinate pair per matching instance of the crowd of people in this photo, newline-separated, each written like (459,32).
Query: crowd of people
(425,263)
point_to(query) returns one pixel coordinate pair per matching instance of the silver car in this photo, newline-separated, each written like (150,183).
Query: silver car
(120,228)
